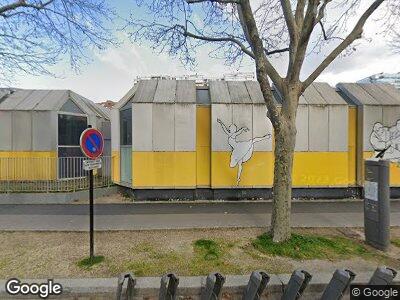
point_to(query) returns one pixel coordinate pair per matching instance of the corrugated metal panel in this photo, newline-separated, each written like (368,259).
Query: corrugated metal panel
(302,128)
(186,91)
(22,130)
(261,126)
(185,127)
(145,91)
(391,91)
(44,133)
(313,97)
(378,94)
(142,127)
(53,100)
(219,139)
(34,98)
(254,90)
(338,127)
(357,94)
(163,127)
(219,92)
(328,93)
(318,128)
(5,130)
(238,92)
(13,100)
(166,91)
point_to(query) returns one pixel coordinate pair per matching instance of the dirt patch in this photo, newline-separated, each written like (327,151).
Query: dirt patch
(153,253)
(115,198)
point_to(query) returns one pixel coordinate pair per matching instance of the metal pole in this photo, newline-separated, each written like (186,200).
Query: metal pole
(91,212)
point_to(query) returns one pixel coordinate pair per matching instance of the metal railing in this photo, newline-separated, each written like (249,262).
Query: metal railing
(50,174)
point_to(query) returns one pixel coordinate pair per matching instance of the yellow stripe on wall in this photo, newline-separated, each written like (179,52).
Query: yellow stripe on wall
(115,166)
(352,144)
(257,172)
(203,146)
(320,169)
(164,169)
(28,165)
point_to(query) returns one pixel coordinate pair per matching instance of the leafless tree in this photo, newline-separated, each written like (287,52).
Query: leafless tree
(261,29)
(36,34)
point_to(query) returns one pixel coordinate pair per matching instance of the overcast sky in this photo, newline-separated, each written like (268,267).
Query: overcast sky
(112,73)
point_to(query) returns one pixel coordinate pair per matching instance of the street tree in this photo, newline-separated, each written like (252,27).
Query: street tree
(36,34)
(261,30)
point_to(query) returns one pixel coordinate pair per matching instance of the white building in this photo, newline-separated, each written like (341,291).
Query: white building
(383,78)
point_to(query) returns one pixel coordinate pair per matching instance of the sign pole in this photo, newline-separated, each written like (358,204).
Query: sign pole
(91,214)
(92,144)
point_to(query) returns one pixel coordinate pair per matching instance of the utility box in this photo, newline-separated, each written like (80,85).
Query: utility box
(377,203)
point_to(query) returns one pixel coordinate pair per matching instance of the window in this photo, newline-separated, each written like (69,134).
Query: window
(126,127)
(70,155)
(203,96)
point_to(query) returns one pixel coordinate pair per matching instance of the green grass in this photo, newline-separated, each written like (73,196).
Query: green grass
(396,242)
(208,249)
(89,262)
(311,247)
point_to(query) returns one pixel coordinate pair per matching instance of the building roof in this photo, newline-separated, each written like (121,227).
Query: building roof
(46,100)
(370,93)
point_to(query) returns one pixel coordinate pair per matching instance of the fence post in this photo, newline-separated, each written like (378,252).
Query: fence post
(257,283)
(339,283)
(129,288)
(213,288)
(168,287)
(382,276)
(296,285)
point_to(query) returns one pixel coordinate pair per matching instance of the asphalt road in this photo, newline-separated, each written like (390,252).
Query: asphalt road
(146,216)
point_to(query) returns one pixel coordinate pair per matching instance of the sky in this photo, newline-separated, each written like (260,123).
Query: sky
(112,72)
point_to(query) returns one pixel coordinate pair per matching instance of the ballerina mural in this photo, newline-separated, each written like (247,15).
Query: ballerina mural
(242,151)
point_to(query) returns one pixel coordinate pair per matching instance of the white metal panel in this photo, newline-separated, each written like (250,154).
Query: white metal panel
(32,100)
(261,127)
(163,127)
(12,101)
(22,130)
(254,90)
(115,130)
(391,114)
(145,91)
(44,130)
(318,120)
(5,130)
(312,96)
(302,125)
(238,92)
(338,127)
(242,117)
(219,92)
(372,114)
(185,127)
(142,127)
(219,139)
(186,91)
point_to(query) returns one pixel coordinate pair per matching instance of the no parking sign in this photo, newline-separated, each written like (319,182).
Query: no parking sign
(92,143)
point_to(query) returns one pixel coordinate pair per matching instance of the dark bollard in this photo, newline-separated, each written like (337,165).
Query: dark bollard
(339,283)
(129,288)
(169,286)
(213,288)
(256,286)
(382,276)
(296,285)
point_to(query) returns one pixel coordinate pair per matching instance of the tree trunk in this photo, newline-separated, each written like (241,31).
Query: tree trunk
(285,140)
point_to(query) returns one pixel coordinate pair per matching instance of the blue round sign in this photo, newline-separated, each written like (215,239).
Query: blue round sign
(92,143)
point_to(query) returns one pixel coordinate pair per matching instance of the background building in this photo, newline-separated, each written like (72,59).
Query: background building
(393,79)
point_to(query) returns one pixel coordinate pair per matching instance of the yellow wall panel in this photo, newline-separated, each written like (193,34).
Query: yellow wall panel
(203,146)
(257,172)
(320,169)
(164,169)
(28,165)
(115,166)
(352,136)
